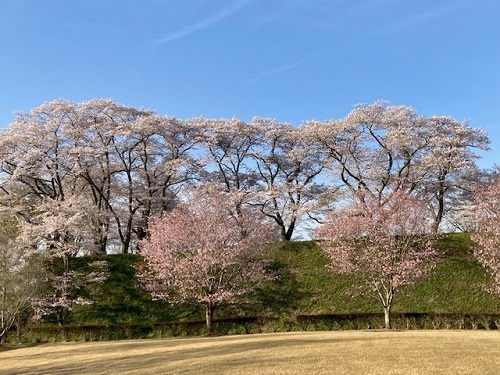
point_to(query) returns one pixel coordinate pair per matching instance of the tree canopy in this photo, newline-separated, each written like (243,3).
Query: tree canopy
(90,176)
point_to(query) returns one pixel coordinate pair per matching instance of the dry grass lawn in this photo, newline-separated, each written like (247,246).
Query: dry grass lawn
(339,352)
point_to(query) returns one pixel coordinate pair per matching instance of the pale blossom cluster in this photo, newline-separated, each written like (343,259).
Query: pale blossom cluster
(114,166)
(61,289)
(126,165)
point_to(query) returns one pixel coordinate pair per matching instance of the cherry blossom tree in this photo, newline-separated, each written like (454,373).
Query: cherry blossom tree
(374,149)
(379,148)
(449,160)
(63,286)
(165,167)
(290,163)
(205,252)
(387,243)
(54,236)
(487,209)
(34,155)
(460,201)
(125,163)
(142,162)
(228,144)
(19,277)
(226,150)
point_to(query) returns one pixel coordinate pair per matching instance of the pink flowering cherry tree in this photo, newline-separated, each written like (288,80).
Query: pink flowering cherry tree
(487,210)
(388,243)
(206,252)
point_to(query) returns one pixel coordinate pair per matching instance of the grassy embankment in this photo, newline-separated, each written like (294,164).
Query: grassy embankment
(307,287)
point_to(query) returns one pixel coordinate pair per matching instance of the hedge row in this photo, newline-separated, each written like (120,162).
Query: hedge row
(47,333)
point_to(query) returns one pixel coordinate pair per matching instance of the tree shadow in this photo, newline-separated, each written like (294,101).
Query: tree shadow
(282,294)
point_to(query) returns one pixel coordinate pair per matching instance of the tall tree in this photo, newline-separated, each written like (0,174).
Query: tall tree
(379,148)
(289,164)
(388,246)
(165,166)
(125,164)
(35,154)
(113,165)
(206,252)
(228,145)
(449,161)
(374,149)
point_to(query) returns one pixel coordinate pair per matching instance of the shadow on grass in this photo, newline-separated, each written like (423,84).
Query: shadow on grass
(8,347)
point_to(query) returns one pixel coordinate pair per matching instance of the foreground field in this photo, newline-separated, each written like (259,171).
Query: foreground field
(340,352)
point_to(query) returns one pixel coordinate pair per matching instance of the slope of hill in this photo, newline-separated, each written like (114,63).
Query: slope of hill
(305,287)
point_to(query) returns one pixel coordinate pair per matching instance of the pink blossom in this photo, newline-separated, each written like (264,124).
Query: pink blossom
(487,211)
(388,245)
(206,252)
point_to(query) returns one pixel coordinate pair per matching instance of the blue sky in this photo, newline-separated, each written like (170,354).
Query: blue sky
(287,59)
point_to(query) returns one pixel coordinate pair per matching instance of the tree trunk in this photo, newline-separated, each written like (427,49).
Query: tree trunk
(209,315)
(289,231)
(387,317)
(286,234)
(440,195)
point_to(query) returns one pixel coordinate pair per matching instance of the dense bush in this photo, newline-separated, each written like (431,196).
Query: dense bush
(249,325)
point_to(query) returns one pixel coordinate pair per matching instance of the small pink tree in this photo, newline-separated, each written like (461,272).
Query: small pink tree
(387,243)
(206,252)
(487,211)
(58,233)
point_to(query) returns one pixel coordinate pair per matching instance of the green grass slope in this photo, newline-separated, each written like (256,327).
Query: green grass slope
(305,286)
(454,286)
(120,299)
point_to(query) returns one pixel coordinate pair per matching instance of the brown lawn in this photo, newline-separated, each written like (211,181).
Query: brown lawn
(339,352)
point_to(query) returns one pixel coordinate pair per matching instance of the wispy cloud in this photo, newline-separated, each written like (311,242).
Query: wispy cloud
(204,23)
(413,19)
(285,67)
